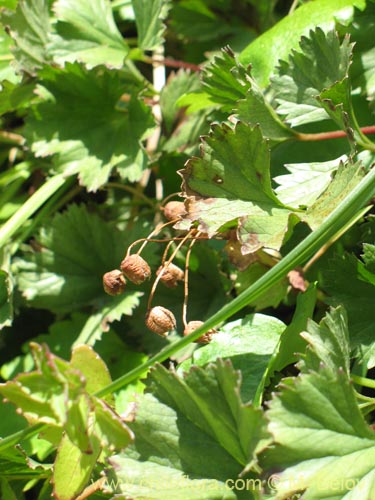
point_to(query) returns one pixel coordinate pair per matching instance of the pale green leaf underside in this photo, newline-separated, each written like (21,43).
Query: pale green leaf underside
(305,181)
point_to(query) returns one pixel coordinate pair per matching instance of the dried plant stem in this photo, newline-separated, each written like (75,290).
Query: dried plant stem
(165,253)
(158,277)
(149,238)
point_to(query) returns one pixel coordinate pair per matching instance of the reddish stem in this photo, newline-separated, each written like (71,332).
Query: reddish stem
(336,134)
(171,63)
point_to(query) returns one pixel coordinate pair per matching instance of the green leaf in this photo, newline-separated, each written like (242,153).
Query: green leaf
(149,17)
(324,445)
(110,428)
(225,80)
(291,343)
(73,464)
(347,177)
(305,182)
(197,426)
(88,141)
(156,481)
(7,70)
(265,52)
(86,32)
(177,85)
(29,27)
(362,71)
(62,277)
(321,63)
(206,393)
(92,367)
(112,309)
(6,304)
(328,343)
(230,84)
(15,464)
(246,278)
(249,343)
(230,186)
(234,172)
(15,96)
(350,284)
(194,20)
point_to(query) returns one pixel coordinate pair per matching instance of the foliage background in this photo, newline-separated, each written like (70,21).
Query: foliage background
(266,117)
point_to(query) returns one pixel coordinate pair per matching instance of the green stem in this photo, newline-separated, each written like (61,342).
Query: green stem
(343,213)
(363,381)
(17,437)
(30,207)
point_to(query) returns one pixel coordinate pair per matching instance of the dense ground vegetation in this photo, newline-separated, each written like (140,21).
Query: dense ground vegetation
(187,238)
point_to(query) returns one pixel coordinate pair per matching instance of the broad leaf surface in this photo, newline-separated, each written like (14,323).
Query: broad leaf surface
(149,17)
(362,71)
(324,445)
(88,139)
(177,85)
(305,182)
(231,180)
(86,32)
(14,96)
(228,83)
(347,177)
(274,45)
(328,343)
(230,186)
(197,426)
(225,80)
(156,481)
(61,275)
(351,283)
(71,462)
(7,70)
(291,343)
(321,63)
(29,27)
(248,343)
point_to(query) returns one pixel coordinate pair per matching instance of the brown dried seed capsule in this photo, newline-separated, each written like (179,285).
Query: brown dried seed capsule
(174,210)
(205,338)
(171,275)
(160,320)
(135,269)
(114,282)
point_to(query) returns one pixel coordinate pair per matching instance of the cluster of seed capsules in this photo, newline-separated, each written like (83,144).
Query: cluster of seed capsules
(134,268)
